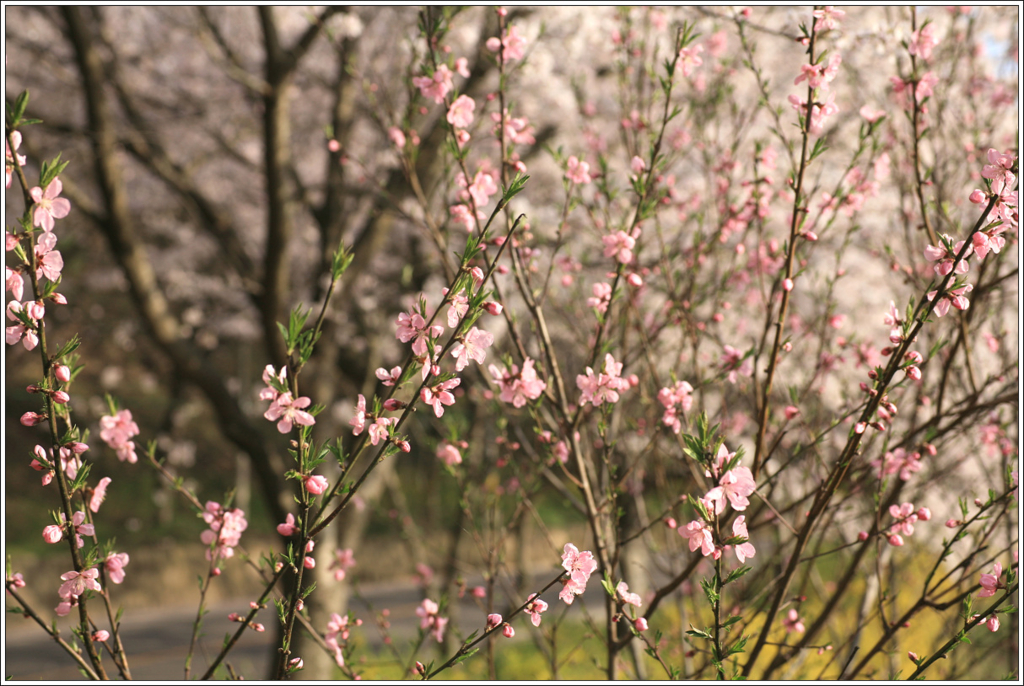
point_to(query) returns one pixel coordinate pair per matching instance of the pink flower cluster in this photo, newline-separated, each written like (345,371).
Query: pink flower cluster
(579,567)
(435,86)
(70,461)
(225,532)
(898,461)
(604,387)
(512,46)
(75,585)
(116,431)
(734,486)
(429,619)
(990,583)
(518,387)
(283,409)
(905,517)
(671,397)
(337,628)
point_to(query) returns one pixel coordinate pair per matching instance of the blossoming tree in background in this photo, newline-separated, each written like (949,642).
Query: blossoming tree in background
(736,288)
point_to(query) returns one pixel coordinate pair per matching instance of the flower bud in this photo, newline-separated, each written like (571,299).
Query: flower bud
(59,299)
(895,539)
(32,418)
(924,514)
(977,197)
(420,669)
(493,308)
(392,405)
(953,523)
(62,372)
(913,373)
(508,631)
(60,397)
(860,427)
(671,523)
(316,484)
(862,536)
(216,571)
(477,274)
(640,623)
(493,621)
(308,562)
(295,663)
(792,411)
(810,236)
(634,280)
(787,285)
(32,388)
(52,534)
(993,623)
(914,356)
(101,635)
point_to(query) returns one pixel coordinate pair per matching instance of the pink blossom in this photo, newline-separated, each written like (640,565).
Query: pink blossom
(672,396)
(48,206)
(870,114)
(114,566)
(992,623)
(604,387)
(429,619)
(316,484)
(944,256)
(337,627)
(620,246)
(397,137)
(379,429)
(435,86)
(518,387)
(736,484)
(689,59)
(990,583)
(827,19)
(14,283)
(923,41)
(18,581)
(514,45)
(627,598)
(387,378)
(225,532)
(76,584)
(286,411)
(288,528)
(440,395)
(700,536)
(460,114)
(358,422)
(79,526)
(745,549)
(602,297)
(578,172)
(449,454)
(412,327)
(1000,166)
(472,346)
(481,190)
(534,608)
(9,158)
(116,430)
(462,67)
(49,262)
(579,566)
(735,363)
(905,518)
(344,560)
(792,622)
(99,493)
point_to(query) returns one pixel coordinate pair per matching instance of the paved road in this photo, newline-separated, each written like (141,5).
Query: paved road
(157,641)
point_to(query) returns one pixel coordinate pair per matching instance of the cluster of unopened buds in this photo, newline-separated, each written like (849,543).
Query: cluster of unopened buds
(255,626)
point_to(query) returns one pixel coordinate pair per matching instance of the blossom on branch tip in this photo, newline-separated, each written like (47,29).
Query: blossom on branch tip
(579,567)
(535,606)
(518,387)
(114,566)
(286,411)
(48,206)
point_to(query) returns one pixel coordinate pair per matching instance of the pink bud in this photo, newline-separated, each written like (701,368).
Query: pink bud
(234,617)
(310,545)
(493,308)
(978,502)
(258,627)
(913,373)
(635,280)
(493,621)
(316,484)
(420,669)
(671,523)
(52,534)
(60,397)
(101,635)
(299,605)
(31,418)
(295,663)
(885,352)
(895,539)
(953,523)
(479,592)
(914,357)
(924,514)
(308,562)
(404,446)
(216,571)
(912,655)
(860,427)
(787,284)
(862,536)
(333,145)
(792,411)
(508,631)
(993,623)
(59,299)
(32,388)
(62,373)
(392,405)
(640,623)
(810,236)
(977,197)
(478,275)
(872,374)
